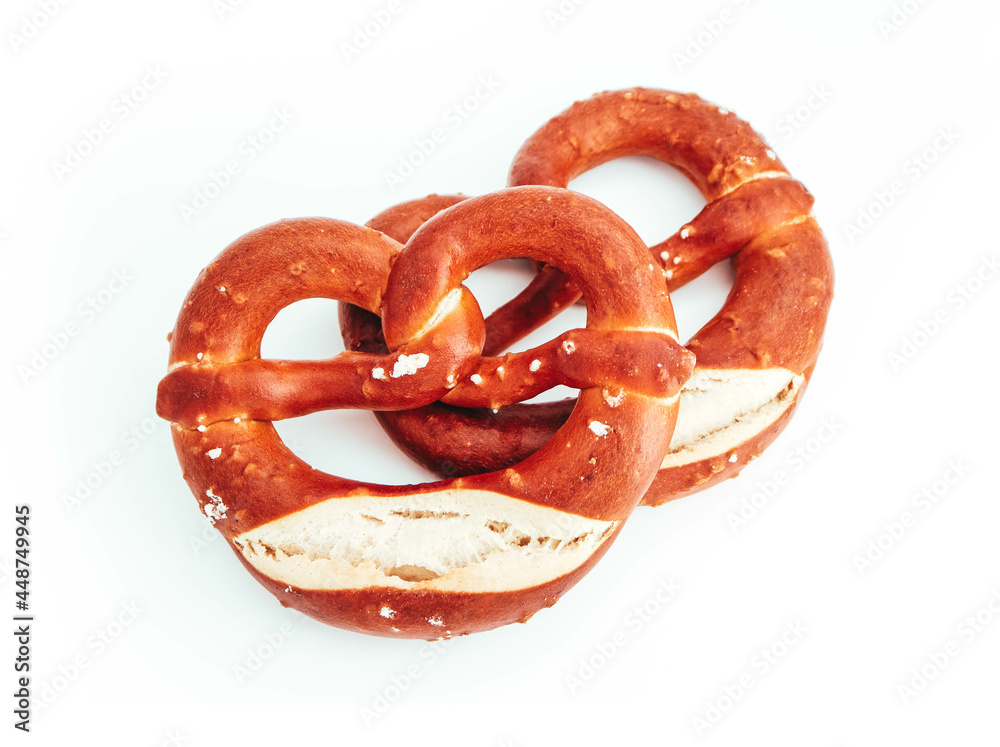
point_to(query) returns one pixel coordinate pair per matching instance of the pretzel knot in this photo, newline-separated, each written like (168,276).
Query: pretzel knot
(755,356)
(449,557)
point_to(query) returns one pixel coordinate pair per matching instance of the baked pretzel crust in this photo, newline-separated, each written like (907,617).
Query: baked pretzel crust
(755,356)
(443,558)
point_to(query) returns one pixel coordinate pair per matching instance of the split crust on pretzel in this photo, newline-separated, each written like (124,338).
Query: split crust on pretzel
(436,559)
(754,358)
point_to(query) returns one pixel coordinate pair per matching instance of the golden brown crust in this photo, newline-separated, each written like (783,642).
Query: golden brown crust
(401,221)
(597,466)
(773,318)
(216,371)
(776,312)
(715,149)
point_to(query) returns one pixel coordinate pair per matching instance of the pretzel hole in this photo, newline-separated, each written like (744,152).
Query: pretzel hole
(654,198)
(497,283)
(700,300)
(304,330)
(657,199)
(349,443)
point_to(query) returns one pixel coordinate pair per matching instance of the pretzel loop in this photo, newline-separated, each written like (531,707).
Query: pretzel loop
(443,558)
(216,371)
(754,357)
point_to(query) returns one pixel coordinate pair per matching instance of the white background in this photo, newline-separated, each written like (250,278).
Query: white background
(852,95)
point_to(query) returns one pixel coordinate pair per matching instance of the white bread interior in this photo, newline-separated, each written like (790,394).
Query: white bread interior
(722,408)
(450,540)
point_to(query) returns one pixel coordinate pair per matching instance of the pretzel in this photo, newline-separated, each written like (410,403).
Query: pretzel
(755,356)
(442,558)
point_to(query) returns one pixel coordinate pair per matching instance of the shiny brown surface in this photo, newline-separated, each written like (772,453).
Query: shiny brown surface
(244,476)
(756,214)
